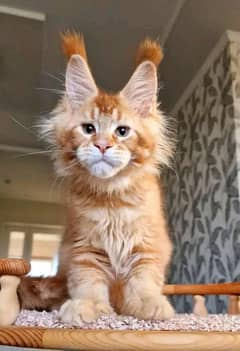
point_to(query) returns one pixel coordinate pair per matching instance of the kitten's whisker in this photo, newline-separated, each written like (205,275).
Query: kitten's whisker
(54,77)
(56,91)
(174,171)
(61,182)
(54,185)
(34,153)
(71,166)
(22,125)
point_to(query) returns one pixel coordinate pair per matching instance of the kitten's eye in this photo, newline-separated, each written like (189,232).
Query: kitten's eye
(122,131)
(88,128)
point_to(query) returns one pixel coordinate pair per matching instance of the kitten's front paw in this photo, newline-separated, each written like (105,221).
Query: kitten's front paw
(78,310)
(150,308)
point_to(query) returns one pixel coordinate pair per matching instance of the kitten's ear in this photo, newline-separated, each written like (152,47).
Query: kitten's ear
(80,85)
(141,90)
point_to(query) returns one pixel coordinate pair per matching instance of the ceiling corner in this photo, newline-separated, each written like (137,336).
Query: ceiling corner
(172,21)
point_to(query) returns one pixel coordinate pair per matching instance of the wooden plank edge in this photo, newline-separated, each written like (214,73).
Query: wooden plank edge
(21,336)
(116,340)
(119,340)
(202,289)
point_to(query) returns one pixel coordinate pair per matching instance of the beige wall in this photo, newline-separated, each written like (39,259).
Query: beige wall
(31,212)
(28,212)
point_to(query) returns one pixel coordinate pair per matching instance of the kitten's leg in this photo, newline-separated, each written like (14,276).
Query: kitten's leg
(88,286)
(143,292)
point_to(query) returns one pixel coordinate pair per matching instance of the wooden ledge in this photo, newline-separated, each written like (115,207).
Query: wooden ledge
(115,340)
(202,289)
(14,266)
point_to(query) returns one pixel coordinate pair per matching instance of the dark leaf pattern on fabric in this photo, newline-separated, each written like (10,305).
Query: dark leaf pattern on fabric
(220,267)
(216,173)
(225,237)
(200,226)
(203,204)
(215,250)
(215,234)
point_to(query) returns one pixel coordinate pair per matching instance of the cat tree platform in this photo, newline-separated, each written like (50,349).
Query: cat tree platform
(205,339)
(43,330)
(111,340)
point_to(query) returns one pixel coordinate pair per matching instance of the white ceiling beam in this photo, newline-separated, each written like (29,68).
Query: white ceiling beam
(171,23)
(39,16)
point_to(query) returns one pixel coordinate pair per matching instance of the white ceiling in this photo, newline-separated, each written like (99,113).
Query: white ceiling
(30,58)
(198,28)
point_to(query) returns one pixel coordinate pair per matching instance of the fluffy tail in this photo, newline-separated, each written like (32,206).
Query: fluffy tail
(42,293)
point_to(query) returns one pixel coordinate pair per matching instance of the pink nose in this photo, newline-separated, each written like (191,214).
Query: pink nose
(102,147)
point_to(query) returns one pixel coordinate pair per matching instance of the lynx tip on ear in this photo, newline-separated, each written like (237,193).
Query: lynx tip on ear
(149,50)
(73,44)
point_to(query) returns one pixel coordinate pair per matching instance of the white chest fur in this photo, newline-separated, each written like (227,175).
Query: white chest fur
(116,231)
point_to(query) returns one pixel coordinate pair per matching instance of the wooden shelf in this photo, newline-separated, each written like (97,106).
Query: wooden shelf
(114,340)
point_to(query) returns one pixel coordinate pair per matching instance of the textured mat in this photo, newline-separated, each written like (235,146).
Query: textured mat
(184,322)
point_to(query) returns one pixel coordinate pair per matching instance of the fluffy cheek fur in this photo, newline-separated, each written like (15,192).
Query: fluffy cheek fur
(103,165)
(77,150)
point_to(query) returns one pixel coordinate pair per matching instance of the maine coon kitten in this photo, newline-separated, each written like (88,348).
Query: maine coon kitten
(116,247)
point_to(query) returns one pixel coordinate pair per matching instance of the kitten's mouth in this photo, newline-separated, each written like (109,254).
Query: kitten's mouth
(103,169)
(103,159)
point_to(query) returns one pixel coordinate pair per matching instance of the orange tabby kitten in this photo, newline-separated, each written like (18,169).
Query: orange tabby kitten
(116,246)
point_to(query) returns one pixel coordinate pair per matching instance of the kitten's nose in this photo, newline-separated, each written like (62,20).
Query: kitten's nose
(102,146)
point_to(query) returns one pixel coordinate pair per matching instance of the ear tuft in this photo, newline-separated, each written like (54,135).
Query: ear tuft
(73,44)
(141,90)
(80,85)
(149,50)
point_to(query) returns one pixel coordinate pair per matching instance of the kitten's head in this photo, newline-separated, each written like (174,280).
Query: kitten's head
(103,135)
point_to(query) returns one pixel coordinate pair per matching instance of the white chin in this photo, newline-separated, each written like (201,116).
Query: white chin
(103,170)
